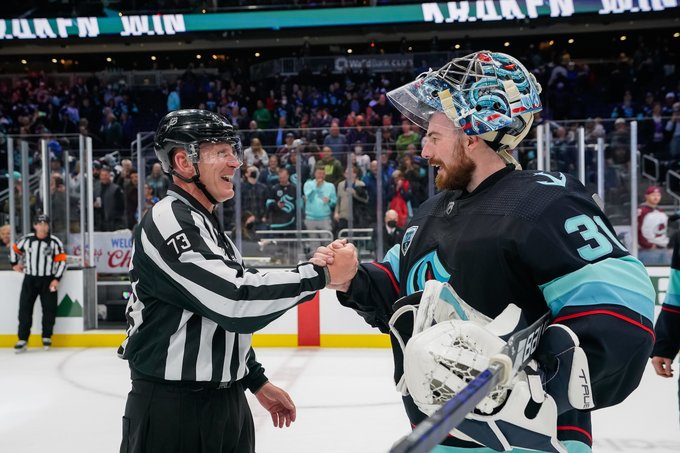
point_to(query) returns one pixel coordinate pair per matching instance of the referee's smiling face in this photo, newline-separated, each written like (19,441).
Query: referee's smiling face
(217,165)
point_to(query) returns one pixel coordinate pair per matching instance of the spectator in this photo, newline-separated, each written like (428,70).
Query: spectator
(149,198)
(158,181)
(333,168)
(59,200)
(627,109)
(112,132)
(291,166)
(673,127)
(408,136)
(391,233)
(131,198)
(123,176)
(653,131)
(112,214)
(255,155)
(669,101)
(320,199)
(359,134)
(652,229)
(262,116)
(5,246)
(355,189)
(269,176)
(281,203)
(619,143)
(174,102)
(254,195)
(363,161)
(399,194)
(280,133)
(285,149)
(336,141)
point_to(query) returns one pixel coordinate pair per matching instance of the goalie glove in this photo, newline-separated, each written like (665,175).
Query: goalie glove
(441,360)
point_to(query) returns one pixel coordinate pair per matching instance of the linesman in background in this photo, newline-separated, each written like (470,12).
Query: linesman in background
(194,307)
(44,262)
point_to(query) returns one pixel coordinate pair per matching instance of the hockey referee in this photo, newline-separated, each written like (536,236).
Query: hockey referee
(194,306)
(44,262)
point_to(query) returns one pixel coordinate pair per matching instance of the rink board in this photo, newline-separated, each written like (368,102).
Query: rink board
(322,322)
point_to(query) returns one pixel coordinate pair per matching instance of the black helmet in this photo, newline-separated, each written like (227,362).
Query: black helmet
(189,128)
(42,218)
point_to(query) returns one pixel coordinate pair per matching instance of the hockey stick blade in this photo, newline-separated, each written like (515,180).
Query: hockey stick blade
(514,356)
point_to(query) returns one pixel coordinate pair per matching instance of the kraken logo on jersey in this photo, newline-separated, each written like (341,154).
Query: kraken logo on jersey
(429,267)
(288,204)
(561,181)
(408,238)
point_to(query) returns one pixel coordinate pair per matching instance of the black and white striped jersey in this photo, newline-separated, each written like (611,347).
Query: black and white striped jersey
(41,257)
(194,306)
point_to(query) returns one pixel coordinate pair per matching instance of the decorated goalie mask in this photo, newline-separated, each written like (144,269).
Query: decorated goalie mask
(488,94)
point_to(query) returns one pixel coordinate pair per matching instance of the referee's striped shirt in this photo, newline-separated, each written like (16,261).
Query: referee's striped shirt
(42,257)
(194,306)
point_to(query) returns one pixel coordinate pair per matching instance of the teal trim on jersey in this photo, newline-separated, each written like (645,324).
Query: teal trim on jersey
(573,446)
(673,292)
(281,226)
(672,299)
(392,257)
(620,281)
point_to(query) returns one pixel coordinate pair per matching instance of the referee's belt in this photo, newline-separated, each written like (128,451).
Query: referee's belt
(182,385)
(188,386)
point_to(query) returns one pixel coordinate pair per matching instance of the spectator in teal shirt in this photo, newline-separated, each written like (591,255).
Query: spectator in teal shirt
(320,200)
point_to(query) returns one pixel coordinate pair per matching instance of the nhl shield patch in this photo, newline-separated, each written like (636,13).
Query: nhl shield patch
(408,238)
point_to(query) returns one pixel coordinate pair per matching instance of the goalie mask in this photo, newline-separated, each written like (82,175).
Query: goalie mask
(488,94)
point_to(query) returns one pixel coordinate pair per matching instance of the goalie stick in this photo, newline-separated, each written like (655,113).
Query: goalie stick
(514,356)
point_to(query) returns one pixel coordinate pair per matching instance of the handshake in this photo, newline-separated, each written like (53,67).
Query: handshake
(342,262)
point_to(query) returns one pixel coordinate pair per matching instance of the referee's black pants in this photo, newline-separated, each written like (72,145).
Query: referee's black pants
(168,418)
(30,289)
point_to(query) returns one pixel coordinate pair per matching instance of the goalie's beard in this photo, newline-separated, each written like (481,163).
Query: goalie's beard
(458,175)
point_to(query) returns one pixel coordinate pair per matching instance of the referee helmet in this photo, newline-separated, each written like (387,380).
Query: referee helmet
(187,129)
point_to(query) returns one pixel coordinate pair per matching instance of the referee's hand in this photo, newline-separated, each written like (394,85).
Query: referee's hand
(278,404)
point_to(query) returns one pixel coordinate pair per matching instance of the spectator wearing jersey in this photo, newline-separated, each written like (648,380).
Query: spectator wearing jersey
(40,256)
(652,229)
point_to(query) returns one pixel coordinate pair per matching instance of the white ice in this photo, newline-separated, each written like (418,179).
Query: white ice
(71,401)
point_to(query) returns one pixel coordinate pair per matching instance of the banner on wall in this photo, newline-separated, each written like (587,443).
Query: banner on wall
(112,250)
(459,12)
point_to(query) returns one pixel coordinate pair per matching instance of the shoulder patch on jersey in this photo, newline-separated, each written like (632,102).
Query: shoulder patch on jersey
(553,181)
(408,238)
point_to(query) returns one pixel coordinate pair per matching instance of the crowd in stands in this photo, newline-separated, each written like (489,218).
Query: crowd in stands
(329,122)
